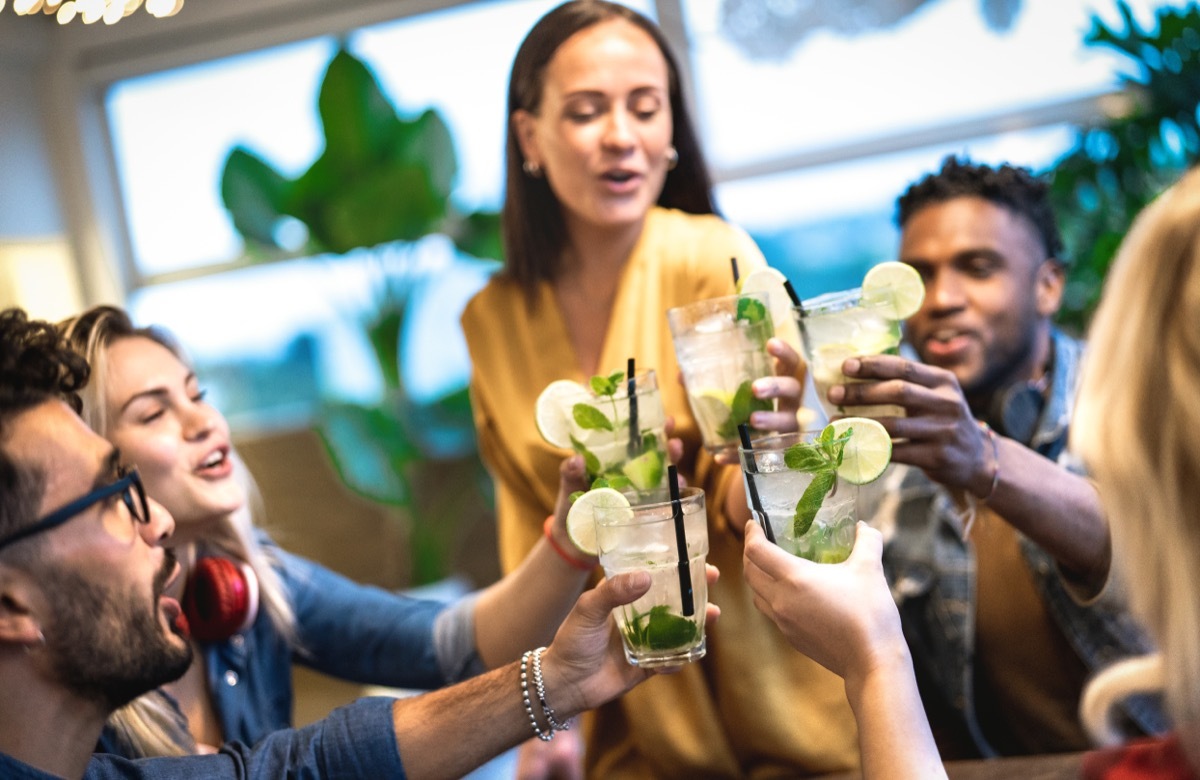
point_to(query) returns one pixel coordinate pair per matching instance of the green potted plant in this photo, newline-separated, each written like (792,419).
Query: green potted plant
(1120,165)
(381,184)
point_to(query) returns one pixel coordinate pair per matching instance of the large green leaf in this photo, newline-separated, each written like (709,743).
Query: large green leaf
(477,234)
(255,195)
(370,450)
(393,202)
(426,141)
(360,123)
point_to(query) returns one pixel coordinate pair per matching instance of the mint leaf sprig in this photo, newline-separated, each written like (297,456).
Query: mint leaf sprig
(743,405)
(821,458)
(659,629)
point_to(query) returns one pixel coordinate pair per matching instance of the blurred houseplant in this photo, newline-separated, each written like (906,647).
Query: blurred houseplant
(1119,166)
(381,184)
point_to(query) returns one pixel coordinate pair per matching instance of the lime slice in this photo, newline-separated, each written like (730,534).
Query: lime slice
(553,411)
(581,520)
(770,281)
(645,471)
(712,407)
(868,452)
(897,284)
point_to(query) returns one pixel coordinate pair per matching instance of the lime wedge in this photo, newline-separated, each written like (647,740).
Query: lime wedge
(868,452)
(646,470)
(712,407)
(897,284)
(770,281)
(581,521)
(553,411)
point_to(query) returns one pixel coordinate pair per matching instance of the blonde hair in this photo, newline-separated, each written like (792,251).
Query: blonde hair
(150,725)
(1137,427)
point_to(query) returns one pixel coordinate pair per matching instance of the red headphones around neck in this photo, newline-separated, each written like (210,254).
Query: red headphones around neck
(220,599)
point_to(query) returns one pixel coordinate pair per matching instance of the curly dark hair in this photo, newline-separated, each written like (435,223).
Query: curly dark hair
(1009,186)
(36,365)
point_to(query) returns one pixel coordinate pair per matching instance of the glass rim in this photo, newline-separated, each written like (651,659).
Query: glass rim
(640,378)
(833,303)
(764,443)
(629,515)
(758,295)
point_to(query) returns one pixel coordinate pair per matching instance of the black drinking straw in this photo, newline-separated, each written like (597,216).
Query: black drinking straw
(635,440)
(791,291)
(798,307)
(733,264)
(685,569)
(751,488)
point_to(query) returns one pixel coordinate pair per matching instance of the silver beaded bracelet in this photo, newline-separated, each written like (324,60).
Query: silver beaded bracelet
(545,736)
(541,692)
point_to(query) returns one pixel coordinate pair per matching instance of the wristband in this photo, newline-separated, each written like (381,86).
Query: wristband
(995,460)
(571,560)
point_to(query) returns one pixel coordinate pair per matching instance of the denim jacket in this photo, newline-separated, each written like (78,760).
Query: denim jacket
(347,630)
(932,573)
(355,741)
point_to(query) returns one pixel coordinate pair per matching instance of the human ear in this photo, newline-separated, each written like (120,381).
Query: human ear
(525,128)
(1051,279)
(19,624)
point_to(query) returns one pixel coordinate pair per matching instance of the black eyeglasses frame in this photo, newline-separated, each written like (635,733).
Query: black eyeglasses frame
(127,483)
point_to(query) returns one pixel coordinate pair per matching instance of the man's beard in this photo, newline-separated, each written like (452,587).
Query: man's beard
(107,649)
(1002,369)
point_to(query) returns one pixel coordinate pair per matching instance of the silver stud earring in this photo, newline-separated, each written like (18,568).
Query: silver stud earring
(532,169)
(672,158)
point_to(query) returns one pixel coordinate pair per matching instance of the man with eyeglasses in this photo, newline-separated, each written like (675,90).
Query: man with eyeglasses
(995,549)
(85,627)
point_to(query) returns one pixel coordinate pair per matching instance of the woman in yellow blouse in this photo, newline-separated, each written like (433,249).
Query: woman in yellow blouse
(608,222)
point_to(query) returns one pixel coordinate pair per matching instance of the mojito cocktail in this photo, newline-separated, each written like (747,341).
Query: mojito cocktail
(623,444)
(657,629)
(811,509)
(721,346)
(841,325)
(862,321)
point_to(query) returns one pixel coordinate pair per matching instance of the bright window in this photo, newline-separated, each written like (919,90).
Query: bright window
(811,146)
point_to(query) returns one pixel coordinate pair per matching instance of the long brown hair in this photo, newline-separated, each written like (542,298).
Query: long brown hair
(533,227)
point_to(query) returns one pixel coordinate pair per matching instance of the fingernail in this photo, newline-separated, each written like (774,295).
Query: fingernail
(851,366)
(836,394)
(761,387)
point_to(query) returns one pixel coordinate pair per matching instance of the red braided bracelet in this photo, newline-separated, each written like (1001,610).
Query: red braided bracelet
(571,560)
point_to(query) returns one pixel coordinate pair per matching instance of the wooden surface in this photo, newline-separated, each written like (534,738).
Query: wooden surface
(1056,767)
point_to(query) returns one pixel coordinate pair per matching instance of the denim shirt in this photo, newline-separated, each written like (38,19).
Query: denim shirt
(932,573)
(347,630)
(355,741)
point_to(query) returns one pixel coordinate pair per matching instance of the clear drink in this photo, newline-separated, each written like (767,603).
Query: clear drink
(841,325)
(658,629)
(826,537)
(626,447)
(721,346)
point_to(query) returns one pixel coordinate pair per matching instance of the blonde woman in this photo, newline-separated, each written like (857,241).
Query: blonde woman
(144,397)
(1139,434)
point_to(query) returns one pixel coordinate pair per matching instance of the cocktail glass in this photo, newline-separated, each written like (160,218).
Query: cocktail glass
(720,344)
(840,325)
(623,443)
(785,496)
(658,629)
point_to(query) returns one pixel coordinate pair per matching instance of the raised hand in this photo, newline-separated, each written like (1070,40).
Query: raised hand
(939,434)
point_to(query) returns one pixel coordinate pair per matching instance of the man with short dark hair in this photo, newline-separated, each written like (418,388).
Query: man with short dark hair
(994,547)
(85,627)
